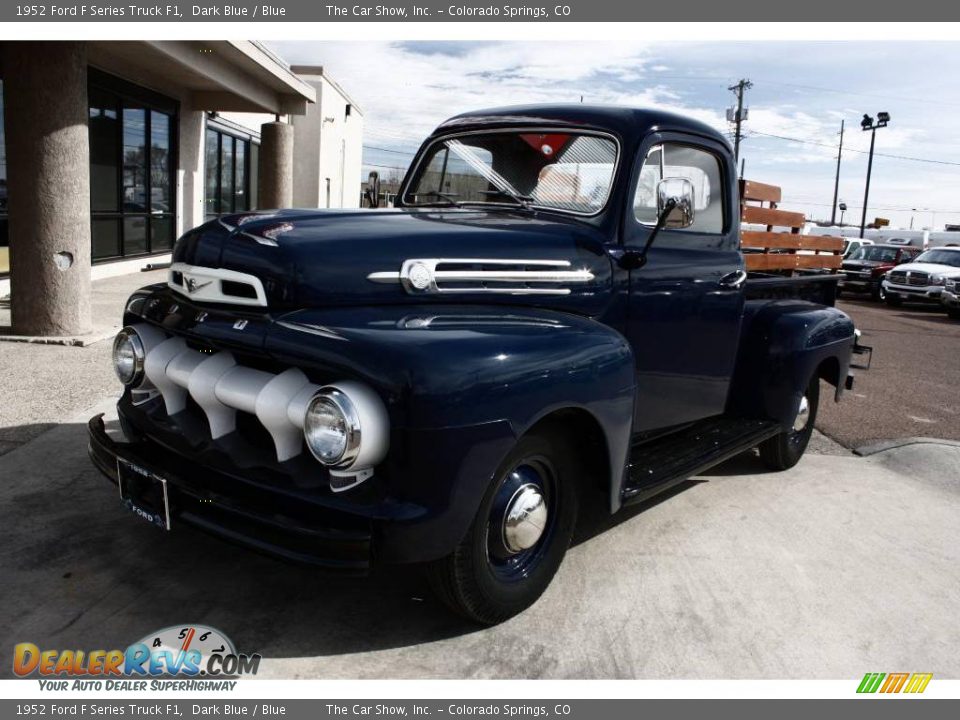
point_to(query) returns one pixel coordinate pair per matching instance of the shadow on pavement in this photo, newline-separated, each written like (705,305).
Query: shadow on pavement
(81,572)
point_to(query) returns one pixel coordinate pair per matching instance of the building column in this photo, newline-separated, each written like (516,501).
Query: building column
(48,172)
(276,165)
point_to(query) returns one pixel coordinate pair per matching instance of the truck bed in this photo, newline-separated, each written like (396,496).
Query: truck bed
(819,288)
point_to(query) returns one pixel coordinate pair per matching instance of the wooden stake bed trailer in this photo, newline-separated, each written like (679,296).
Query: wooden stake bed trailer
(786,250)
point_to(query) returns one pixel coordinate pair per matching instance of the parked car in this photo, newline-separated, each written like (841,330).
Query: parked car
(951,298)
(864,270)
(923,279)
(851,245)
(556,312)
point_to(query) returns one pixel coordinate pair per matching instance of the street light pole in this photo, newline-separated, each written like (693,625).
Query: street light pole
(868,124)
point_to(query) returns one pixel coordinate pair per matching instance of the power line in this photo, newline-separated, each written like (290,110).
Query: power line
(861,152)
(389,150)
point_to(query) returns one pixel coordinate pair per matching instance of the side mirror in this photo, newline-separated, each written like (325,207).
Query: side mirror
(679,193)
(373,189)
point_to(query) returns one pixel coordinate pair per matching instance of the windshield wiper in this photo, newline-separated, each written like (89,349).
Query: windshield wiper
(521,200)
(449,197)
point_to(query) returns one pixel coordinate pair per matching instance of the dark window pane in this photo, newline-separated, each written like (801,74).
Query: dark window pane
(254,191)
(211,173)
(226,174)
(161,233)
(4,246)
(240,189)
(160,175)
(106,239)
(104,130)
(134,159)
(134,235)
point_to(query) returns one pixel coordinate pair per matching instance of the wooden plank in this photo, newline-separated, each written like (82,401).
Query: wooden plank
(772,218)
(790,241)
(789,261)
(750,190)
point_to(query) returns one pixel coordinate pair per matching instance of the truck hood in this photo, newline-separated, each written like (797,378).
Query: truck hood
(931,268)
(319,258)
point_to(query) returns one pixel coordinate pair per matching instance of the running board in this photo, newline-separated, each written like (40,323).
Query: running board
(660,464)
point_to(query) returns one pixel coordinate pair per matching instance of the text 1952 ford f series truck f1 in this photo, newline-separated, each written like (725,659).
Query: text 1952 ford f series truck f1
(556,310)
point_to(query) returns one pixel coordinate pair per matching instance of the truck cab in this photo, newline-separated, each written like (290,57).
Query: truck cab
(555,312)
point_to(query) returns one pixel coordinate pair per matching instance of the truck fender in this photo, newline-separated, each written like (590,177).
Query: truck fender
(783,344)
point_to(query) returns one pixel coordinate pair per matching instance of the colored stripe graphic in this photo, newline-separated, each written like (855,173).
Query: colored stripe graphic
(918,682)
(895,682)
(870,682)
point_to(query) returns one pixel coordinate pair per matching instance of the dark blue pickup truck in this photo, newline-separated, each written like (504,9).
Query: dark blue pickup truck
(555,312)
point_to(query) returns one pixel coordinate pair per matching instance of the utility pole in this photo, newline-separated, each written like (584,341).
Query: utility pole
(738,90)
(836,182)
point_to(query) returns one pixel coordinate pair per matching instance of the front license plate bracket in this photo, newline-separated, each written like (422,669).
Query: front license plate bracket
(144,493)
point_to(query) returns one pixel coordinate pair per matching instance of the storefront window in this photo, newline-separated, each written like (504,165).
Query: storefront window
(132,168)
(231,172)
(4,241)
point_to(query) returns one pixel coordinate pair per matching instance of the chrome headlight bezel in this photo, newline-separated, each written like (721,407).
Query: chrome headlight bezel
(337,400)
(129,334)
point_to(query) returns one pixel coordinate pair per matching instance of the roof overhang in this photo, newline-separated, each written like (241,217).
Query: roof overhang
(222,75)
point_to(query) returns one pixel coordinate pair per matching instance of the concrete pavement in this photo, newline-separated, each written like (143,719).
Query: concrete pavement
(842,565)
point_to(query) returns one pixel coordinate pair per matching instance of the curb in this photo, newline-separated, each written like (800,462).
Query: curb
(880,446)
(71,341)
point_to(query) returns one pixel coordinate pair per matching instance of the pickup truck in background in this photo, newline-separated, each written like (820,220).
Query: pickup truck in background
(865,269)
(923,279)
(556,312)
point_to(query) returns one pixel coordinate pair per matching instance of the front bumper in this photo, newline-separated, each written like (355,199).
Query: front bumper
(856,282)
(950,299)
(925,293)
(336,542)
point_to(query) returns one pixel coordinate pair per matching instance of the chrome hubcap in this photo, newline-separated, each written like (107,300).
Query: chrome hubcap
(524,519)
(803,414)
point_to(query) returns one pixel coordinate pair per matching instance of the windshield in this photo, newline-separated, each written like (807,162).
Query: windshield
(876,254)
(940,257)
(569,171)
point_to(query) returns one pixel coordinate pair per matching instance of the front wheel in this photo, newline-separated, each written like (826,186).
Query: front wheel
(784,451)
(519,535)
(879,293)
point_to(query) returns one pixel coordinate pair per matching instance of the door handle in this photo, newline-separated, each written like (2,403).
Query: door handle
(733,280)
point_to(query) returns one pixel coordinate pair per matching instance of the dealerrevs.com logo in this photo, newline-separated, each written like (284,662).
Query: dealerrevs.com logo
(182,653)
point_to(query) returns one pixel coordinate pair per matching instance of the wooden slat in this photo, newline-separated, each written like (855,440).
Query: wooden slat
(790,241)
(772,218)
(789,261)
(751,190)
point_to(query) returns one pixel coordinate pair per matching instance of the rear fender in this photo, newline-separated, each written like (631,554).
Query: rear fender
(784,343)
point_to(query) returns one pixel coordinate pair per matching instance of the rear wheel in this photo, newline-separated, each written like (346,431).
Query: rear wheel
(519,536)
(785,450)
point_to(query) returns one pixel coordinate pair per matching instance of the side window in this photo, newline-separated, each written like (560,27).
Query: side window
(700,167)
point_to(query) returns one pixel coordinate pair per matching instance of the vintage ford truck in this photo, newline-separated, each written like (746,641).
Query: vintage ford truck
(555,312)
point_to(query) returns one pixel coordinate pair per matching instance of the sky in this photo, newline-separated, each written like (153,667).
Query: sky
(801,92)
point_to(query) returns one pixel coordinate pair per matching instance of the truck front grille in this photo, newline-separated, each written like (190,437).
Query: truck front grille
(231,395)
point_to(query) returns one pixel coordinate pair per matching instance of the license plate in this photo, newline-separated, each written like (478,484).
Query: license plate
(144,494)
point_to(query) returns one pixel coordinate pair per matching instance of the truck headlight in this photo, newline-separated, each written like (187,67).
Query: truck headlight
(346,427)
(938,280)
(128,356)
(332,428)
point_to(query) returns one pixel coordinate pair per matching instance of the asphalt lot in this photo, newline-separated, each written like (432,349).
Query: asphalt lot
(913,386)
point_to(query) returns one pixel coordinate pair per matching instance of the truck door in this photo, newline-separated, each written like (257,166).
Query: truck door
(685,303)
